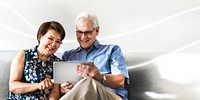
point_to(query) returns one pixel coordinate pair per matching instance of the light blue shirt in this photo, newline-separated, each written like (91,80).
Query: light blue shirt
(108,59)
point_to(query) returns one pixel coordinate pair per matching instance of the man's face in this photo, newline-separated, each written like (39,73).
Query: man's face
(86,34)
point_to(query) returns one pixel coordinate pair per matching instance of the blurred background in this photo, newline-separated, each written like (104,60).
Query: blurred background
(168,29)
(135,25)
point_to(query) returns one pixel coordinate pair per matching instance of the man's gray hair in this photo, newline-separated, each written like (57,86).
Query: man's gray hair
(85,16)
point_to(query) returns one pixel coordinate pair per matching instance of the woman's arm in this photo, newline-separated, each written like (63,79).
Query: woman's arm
(16,72)
(55,93)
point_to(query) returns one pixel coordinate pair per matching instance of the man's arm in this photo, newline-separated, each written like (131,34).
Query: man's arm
(112,80)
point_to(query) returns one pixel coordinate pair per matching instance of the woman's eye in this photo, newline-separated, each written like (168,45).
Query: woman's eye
(50,39)
(58,42)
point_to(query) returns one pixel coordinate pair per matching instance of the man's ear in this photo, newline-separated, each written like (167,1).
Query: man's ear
(97,31)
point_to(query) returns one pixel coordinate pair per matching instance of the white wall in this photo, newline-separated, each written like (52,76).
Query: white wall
(169,26)
(136,25)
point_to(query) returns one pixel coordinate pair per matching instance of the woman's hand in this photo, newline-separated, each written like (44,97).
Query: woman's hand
(66,87)
(46,84)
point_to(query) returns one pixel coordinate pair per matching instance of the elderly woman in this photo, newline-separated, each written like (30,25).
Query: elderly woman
(32,69)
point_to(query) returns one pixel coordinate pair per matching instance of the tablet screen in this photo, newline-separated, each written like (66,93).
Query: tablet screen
(66,71)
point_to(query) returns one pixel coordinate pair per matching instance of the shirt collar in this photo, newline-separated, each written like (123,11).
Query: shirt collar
(96,44)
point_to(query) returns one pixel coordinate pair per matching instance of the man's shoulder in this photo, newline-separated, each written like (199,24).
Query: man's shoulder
(70,51)
(115,46)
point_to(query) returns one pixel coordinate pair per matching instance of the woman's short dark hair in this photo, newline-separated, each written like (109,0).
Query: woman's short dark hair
(43,29)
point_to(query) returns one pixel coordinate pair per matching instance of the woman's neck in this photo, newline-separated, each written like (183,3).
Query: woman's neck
(42,55)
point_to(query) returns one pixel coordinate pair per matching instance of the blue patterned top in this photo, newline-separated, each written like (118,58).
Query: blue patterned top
(35,70)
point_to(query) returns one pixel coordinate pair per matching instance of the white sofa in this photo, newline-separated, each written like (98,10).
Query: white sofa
(5,60)
(153,76)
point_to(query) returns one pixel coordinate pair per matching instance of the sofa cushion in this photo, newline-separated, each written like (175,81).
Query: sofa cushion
(4,77)
(6,58)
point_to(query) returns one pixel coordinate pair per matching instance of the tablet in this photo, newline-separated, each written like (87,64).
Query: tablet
(66,71)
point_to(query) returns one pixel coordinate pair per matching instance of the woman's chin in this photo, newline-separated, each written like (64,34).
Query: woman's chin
(50,51)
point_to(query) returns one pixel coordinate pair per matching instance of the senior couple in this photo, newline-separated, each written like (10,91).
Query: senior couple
(32,69)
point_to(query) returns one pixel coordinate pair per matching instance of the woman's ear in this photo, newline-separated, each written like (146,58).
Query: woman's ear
(39,38)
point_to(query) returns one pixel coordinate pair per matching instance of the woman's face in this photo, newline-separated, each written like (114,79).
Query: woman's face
(50,42)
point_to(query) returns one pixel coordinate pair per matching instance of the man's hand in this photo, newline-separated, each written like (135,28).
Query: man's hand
(89,70)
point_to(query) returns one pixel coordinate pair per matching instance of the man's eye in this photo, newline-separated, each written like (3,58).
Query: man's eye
(87,32)
(79,32)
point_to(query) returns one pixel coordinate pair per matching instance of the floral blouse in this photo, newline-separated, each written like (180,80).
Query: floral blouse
(35,70)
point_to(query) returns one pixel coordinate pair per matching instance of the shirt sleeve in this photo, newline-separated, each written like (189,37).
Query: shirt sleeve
(118,63)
